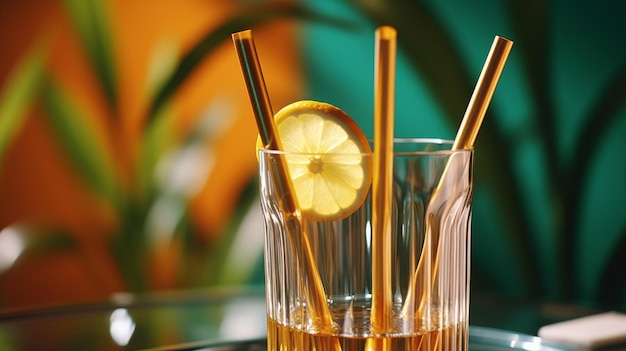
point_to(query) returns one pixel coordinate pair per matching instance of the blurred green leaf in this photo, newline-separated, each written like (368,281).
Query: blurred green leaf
(566,179)
(611,290)
(252,17)
(598,123)
(92,25)
(49,240)
(156,141)
(18,93)
(530,19)
(80,144)
(128,246)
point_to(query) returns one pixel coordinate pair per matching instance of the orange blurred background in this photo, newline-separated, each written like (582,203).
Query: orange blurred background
(37,182)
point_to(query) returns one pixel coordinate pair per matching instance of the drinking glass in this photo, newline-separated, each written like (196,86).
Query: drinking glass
(318,273)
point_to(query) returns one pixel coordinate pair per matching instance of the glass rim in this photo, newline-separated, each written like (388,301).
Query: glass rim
(424,141)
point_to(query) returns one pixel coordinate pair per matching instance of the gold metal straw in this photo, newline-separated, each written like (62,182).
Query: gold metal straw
(247,54)
(465,138)
(382,183)
(483,92)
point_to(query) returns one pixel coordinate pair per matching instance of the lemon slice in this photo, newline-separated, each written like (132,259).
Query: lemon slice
(331,172)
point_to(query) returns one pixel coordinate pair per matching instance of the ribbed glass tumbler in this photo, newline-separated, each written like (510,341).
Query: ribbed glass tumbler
(320,288)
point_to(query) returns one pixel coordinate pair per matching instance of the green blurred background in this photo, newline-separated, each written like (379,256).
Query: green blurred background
(550,205)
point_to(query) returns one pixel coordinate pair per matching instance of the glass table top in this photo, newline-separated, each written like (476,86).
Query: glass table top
(481,339)
(197,320)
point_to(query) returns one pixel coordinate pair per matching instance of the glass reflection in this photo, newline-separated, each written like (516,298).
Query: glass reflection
(122,326)
(11,246)
(525,344)
(243,319)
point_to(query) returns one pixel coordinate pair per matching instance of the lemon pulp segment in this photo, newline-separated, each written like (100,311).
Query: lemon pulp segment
(328,159)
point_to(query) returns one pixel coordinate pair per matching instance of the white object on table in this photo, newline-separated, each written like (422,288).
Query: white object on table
(589,332)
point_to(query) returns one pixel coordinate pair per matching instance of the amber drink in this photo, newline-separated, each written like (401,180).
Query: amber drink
(320,288)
